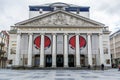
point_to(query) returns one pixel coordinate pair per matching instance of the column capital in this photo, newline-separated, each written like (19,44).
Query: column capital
(19,33)
(100,34)
(89,34)
(42,33)
(54,34)
(65,33)
(77,33)
(30,33)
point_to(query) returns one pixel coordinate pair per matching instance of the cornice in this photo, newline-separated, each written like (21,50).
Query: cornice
(57,26)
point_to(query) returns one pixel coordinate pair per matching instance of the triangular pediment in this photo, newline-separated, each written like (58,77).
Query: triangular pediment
(59,18)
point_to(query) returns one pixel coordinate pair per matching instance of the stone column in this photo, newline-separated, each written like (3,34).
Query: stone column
(42,51)
(101,49)
(89,50)
(17,58)
(54,50)
(77,51)
(30,51)
(65,50)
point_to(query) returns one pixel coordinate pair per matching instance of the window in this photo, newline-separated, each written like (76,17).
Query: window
(94,61)
(13,44)
(40,11)
(10,62)
(13,51)
(105,50)
(108,61)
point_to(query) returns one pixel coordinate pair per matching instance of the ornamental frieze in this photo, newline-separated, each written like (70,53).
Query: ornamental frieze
(59,19)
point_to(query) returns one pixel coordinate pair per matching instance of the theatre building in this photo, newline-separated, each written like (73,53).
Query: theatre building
(60,35)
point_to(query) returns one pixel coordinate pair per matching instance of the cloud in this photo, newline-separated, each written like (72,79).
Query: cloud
(104,11)
(11,12)
(109,6)
(107,12)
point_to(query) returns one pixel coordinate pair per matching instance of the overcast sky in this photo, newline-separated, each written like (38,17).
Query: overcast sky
(104,11)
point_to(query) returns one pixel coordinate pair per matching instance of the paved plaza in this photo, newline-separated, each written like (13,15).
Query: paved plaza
(7,74)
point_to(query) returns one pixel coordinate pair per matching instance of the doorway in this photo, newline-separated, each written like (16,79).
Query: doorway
(37,60)
(71,60)
(59,60)
(48,61)
(82,60)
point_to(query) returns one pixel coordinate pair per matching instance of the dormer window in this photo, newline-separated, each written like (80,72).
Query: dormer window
(40,11)
(59,6)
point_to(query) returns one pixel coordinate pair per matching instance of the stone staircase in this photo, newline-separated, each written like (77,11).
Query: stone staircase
(50,68)
(57,68)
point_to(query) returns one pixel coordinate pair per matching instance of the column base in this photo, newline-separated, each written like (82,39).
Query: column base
(18,67)
(29,66)
(41,66)
(66,66)
(15,65)
(54,66)
(78,66)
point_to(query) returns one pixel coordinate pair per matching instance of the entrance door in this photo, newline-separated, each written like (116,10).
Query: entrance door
(37,60)
(59,60)
(71,60)
(82,60)
(48,61)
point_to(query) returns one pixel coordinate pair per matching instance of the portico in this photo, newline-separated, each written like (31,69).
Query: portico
(53,55)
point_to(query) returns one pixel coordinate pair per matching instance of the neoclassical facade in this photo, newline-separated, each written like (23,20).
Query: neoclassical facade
(61,38)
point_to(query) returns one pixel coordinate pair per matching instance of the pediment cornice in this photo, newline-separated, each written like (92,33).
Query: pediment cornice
(59,18)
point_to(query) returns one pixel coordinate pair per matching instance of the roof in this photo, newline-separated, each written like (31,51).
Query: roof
(49,4)
(115,33)
(49,7)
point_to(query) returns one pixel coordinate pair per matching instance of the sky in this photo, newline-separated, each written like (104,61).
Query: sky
(104,11)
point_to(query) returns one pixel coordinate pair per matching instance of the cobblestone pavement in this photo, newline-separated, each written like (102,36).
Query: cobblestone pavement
(7,74)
